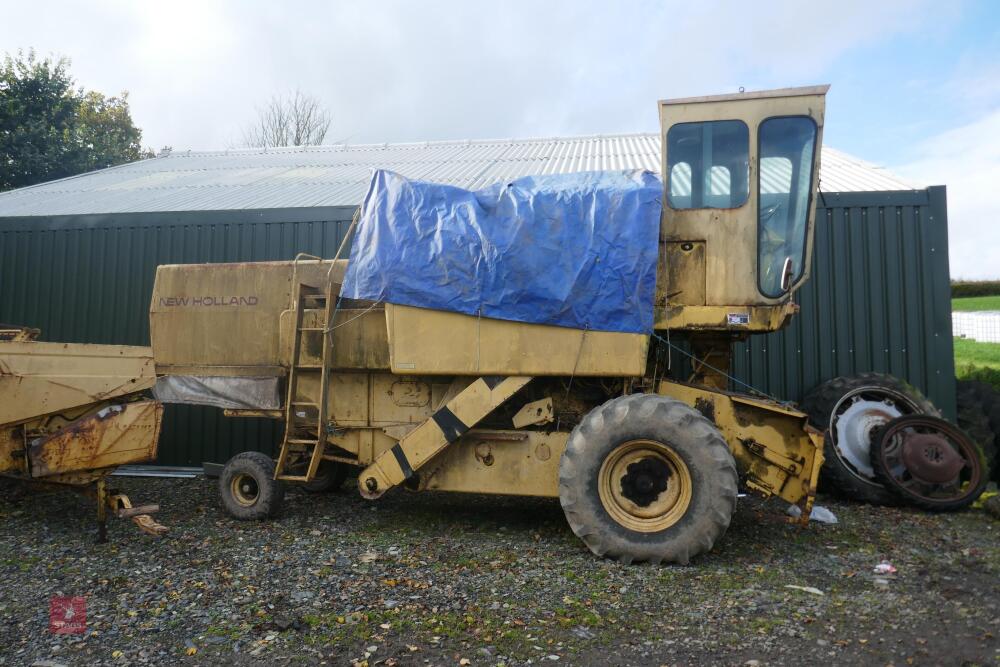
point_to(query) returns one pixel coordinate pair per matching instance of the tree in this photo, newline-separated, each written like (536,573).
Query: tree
(105,132)
(296,119)
(49,129)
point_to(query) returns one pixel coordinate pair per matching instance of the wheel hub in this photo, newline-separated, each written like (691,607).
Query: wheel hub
(645,480)
(645,486)
(855,427)
(929,458)
(244,489)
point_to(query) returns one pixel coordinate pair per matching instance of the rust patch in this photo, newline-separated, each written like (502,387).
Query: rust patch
(707,408)
(114,435)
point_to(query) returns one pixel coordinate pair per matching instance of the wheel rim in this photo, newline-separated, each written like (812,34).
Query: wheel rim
(856,417)
(244,489)
(645,486)
(930,460)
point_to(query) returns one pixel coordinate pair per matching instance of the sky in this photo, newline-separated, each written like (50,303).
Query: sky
(915,83)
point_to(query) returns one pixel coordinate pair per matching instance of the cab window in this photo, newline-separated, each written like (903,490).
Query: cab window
(786,149)
(708,164)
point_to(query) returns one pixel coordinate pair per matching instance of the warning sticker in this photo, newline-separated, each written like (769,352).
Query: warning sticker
(739,319)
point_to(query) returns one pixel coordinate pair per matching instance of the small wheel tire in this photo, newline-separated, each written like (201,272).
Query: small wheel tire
(330,477)
(248,488)
(823,403)
(891,470)
(647,478)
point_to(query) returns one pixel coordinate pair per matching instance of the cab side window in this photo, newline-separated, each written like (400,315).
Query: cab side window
(708,164)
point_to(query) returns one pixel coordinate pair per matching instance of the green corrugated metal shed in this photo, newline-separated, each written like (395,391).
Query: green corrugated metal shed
(878,298)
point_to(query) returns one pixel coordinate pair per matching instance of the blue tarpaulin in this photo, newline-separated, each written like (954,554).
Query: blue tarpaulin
(573,250)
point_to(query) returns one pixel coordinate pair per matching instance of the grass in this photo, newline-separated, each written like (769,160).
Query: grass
(974,360)
(973,353)
(971,303)
(978,362)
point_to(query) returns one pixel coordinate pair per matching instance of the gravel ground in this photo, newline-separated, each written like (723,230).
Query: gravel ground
(442,579)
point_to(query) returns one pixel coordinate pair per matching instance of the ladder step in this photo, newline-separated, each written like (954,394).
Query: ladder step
(293,478)
(309,367)
(306,403)
(312,328)
(300,441)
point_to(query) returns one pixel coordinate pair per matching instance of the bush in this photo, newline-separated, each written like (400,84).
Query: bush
(990,376)
(963,288)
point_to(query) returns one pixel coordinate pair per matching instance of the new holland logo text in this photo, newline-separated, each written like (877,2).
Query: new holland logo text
(172,301)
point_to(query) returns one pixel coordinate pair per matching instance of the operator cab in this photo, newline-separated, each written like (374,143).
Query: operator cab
(740,172)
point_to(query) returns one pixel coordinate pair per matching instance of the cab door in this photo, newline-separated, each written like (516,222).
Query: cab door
(740,176)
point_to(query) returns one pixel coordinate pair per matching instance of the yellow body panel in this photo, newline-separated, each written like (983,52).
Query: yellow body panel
(226,319)
(442,343)
(776,451)
(44,378)
(749,319)
(360,339)
(521,463)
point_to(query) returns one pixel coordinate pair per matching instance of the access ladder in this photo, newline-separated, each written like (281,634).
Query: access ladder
(305,420)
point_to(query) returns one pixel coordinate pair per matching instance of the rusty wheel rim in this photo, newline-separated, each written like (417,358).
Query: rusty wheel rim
(244,489)
(645,486)
(930,460)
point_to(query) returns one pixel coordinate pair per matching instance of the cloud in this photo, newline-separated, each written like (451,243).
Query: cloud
(405,71)
(967,160)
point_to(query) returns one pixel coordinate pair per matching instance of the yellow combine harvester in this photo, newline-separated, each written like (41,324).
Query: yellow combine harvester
(646,468)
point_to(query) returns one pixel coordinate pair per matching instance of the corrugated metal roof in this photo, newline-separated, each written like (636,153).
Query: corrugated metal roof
(338,175)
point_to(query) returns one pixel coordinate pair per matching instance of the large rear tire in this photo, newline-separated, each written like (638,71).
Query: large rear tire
(248,488)
(849,410)
(647,478)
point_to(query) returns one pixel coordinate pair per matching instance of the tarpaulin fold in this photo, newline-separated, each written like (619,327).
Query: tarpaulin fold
(573,250)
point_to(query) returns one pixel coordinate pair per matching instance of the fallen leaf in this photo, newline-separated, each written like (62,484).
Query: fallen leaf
(191,650)
(806,589)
